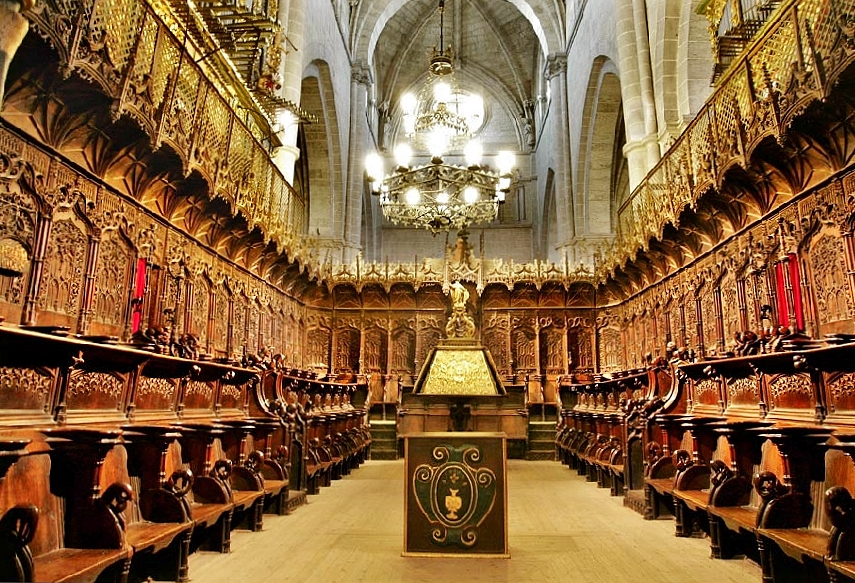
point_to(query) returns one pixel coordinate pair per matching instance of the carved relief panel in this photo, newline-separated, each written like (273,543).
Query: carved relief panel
(403,351)
(201,309)
(552,350)
(522,347)
(374,352)
(833,297)
(318,348)
(112,282)
(580,349)
(840,387)
(731,303)
(611,349)
(429,335)
(496,340)
(198,395)
(17,234)
(221,320)
(252,327)
(94,391)
(64,268)
(25,389)
(154,393)
(789,392)
(709,318)
(239,322)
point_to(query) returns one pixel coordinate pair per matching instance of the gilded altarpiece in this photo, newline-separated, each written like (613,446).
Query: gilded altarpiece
(64,270)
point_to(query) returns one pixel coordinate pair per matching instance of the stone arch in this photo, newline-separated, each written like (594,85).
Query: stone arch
(598,154)
(322,150)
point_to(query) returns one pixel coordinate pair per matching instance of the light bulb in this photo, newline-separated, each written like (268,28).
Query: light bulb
(374,167)
(437,142)
(473,153)
(409,103)
(403,154)
(505,162)
(442,197)
(442,92)
(413,196)
(470,194)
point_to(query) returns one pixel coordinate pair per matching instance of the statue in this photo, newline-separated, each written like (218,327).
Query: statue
(460,324)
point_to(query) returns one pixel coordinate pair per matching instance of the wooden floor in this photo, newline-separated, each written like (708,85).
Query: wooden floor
(561,529)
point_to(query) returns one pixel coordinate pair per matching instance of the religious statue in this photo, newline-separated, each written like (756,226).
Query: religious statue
(460,324)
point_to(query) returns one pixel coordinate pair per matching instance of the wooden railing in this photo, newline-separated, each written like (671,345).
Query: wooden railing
(795,59)
(146,60)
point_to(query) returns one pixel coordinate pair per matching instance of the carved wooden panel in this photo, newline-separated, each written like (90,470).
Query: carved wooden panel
(789,391)
(25,388)
(221,321)
(831,290)
(374,353)
(201,306)
(611,349)
(840,387)
(94,391)
(317,348)
(580,349)
(429,336)
(691,321)
(730,305)
(232,396)
(239,309)
(347,350)
(252,328)
(155,394)
(198,395)
(709,315)
(743,391)
(65,263)
(17,231)
(552,350)
(522,347)
(112,282)
(403,351)
(402,297)
(705,394)
(495,339)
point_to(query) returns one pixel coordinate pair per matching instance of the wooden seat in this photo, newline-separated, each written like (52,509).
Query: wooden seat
(82,565)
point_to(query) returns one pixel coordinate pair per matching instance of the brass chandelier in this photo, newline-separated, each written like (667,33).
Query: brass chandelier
(437,195)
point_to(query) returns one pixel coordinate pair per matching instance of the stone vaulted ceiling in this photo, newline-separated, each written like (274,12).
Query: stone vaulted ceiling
(497,50)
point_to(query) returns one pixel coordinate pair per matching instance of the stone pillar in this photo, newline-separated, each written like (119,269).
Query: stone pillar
(359,144)
(13,28)
(635,149)
(645,77)
(556,73)
(292,14)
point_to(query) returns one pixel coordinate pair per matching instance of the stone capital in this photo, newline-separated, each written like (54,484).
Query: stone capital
(556,64)
(360,72)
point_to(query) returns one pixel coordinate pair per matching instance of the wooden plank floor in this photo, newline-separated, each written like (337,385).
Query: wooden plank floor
(561,529)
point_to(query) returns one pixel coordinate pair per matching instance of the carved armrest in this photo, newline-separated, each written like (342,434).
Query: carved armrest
(17,529)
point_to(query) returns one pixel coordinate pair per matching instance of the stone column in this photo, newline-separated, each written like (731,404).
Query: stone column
(359,144)
(292,14)
(635,149)
(645,77)
(13,28)
(556,73)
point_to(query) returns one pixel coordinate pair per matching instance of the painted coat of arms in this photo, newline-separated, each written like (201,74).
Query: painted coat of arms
(454,494)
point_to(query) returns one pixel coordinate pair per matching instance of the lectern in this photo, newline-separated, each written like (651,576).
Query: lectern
(455,499)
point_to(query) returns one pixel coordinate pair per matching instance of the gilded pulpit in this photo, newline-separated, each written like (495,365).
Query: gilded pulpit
(459,389)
